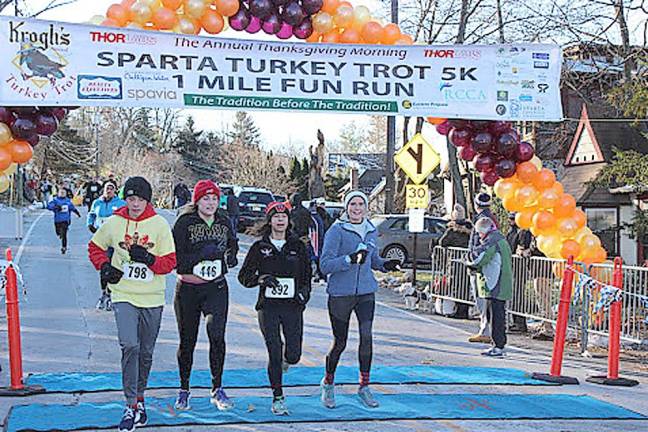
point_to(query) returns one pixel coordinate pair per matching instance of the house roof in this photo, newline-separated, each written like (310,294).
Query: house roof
(369,179)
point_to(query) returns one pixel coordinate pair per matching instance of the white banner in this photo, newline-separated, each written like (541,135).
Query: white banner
(52,63)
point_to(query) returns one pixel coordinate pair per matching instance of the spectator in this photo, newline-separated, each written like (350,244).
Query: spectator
(181,194)
(301,219)
(233,211)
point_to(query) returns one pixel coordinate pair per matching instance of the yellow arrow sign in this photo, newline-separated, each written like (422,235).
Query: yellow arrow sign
(418,159)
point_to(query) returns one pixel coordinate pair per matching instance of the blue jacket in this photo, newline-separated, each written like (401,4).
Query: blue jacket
(102,210)
(347,279)
(62,208)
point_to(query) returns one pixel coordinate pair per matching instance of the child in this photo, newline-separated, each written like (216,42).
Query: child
(62,207)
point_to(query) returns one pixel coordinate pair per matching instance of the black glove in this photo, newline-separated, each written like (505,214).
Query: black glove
(209,252)
(392,265)
(268,281)
(110,274)
(232,261)
(92,229)
(303,297)
(358,257)
(141,255)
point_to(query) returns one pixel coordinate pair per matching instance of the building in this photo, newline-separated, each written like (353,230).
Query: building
(363,161)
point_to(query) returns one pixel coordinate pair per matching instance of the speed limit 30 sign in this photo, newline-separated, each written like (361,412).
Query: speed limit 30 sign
(416,196)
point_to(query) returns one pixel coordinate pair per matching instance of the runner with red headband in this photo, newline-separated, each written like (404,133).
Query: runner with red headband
(279,264)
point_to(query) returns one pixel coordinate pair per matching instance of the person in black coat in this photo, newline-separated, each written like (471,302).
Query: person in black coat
(300,218)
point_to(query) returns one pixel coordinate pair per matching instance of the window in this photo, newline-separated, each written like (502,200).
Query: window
(604,223)
(400,224)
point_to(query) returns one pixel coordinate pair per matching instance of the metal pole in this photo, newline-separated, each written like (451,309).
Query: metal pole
(414,259)
(391,141)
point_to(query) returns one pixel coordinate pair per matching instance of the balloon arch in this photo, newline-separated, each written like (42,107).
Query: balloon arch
(493,147)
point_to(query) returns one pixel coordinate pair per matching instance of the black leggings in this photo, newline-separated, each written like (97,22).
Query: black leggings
(61,229)
(212,300)
(340,309)
(274,319)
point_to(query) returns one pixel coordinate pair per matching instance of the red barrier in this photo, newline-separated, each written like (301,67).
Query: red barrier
(561,331)
(16,387)
(614,339)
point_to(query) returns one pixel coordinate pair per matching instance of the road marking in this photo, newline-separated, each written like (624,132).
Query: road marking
(26,238)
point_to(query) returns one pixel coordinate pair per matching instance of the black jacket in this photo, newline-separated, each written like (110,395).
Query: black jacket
(457,234)
(232,206)
(291,261)
(301,221)
(192,235)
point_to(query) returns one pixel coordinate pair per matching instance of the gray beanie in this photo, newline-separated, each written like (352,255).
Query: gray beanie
(356,193)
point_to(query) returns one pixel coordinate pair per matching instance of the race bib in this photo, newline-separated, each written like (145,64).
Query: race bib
(137,272)
(208,270)
(93,188)
(285,290)
(64,208)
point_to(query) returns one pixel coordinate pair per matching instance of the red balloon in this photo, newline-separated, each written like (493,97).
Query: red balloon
(443,128)
(489,177)
(59,113)
(483,142)
(46,124)
(24,111)
(460,137)
(23,127)
(507,144)
(505,168)
(500,127)
(480,125)
(33,139)
(467,153)
(484,162)
(524,152)
(6,116)
(460,123)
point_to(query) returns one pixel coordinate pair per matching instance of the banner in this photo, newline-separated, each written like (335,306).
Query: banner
(53,63)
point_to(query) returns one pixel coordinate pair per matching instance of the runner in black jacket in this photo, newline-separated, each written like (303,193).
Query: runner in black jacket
(205,248)
(280,266)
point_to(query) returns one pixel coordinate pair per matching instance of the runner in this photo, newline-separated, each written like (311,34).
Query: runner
(92,190)
(102,208)
(279,264)
(206,249)
(143,254)
(348,258)
(62,206)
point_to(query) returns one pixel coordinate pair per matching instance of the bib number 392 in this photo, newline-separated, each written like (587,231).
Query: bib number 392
(208,270)
(137,272)
(285,290)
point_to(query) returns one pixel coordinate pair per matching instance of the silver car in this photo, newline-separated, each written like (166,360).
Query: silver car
(396,242)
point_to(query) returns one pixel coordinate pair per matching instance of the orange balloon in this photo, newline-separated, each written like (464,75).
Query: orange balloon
(227,7)
(372,32)
(581,233)
(567,227)
(128,3)
(212,22)
(391,33)
(565,206)
(331,37)
(570,248)
(5,158)
(506,187)
(599,255)
(172,4)
(345,3)
(109,22)
(436,120)
(314,37)
(165,19)
(548,198)
(119,14)
(526,195)
(511,204)
(580,218)
(589,243)
(558,187)
(329,6)
(524,219)
(526,172)
(404,40)
(543,179)
(21,151)
(350,36)
(543,220)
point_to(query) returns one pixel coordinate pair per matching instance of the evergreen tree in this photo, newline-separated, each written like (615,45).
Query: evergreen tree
(190,145)
(295,169)
(244,131)
(351,138)
(304,174)
(143,132)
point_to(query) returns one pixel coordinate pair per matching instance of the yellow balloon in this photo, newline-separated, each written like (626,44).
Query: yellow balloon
(194,8)
(343,16)
(361,16)
(549,244)
(96,19)
(536,162)
(4,183)
(135,26)
(322,23)
(11,170)
(153,4)
(5,134)
(141,12)
(186,26)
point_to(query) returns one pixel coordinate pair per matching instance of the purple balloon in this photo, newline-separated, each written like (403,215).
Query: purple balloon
(285,32)
(6,116)
(489,177)
(505,168)
(459,123)
(500,127)
(254,26)
(443,128)
(479,125)
(23,128)
(59,113)
(524,152)
(311,7)
(25,111)
(460,137)
(484,162)
(279,2)
(46,124)
(261,8)
(293,13)
(33,139)
(506,145)
(240,20)
(483,142)
(303,30)
(272,24)
(467,153)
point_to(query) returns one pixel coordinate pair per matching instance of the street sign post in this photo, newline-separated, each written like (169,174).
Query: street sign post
(417,196)
(416,225)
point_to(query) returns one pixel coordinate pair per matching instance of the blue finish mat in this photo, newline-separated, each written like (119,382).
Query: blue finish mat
(82,382)
(40,417)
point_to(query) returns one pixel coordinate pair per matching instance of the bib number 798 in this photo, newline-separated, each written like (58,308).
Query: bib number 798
(137,272)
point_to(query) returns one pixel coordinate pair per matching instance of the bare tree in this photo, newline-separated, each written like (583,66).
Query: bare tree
(28,8)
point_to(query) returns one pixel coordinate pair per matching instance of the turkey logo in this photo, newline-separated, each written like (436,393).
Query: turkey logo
(136,240)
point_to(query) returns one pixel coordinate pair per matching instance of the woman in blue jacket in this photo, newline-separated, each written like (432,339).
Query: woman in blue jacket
(62,207)
(349,258)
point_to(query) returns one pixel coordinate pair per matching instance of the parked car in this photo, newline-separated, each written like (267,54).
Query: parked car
(396,242)
(252,205)
(334,209)
(279,198)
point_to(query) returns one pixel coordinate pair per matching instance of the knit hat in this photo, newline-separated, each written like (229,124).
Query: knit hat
(459,213)
(483,200)
(205,187)
(485,225)
(277,207)
(138,186)
(110,183)
(353,194)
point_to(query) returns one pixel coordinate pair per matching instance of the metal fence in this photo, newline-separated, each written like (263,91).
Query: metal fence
(536,292)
